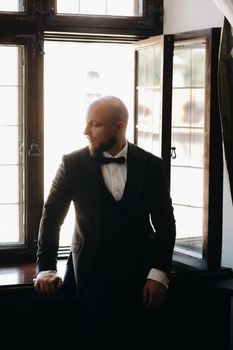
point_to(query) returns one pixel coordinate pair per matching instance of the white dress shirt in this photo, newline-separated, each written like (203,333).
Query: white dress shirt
(115,176)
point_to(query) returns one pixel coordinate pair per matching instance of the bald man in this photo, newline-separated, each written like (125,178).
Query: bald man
(121,251)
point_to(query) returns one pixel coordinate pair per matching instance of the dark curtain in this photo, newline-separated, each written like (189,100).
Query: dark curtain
(225,86)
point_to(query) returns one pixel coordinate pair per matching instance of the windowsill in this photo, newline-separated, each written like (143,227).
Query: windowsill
(21,276)
(17,275)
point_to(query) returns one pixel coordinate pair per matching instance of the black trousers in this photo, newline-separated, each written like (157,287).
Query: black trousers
(113,317)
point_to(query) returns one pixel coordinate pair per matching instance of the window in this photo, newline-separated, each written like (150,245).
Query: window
(185,136)
(12,6)
(101,7)
(19,137)
(196,168)
(135,18)
(12,142)
(81,79)
(149,92)
(189,164)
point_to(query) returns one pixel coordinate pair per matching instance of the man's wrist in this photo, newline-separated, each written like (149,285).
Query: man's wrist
(159,276)
(40,273)
(44,272)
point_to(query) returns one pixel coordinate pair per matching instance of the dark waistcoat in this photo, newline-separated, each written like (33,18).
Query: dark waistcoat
(118,259)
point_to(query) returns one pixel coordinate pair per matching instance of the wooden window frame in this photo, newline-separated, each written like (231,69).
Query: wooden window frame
(41,16)
(33,112)
(212,239)
(150,23)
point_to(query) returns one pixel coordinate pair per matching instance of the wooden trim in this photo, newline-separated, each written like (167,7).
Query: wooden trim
(151,23)
(168,48)
(21,275)
(41,16)
(33,124)
(212,236)
(213,244)
(136,98)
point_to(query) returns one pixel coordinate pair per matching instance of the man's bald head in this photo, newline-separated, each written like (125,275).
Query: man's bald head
(116,107)
(107,119)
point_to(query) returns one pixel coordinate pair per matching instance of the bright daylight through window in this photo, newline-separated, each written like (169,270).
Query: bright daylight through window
(11,141)
(72,80)
(101,7)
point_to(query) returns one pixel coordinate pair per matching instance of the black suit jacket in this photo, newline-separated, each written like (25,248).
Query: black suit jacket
(150,213)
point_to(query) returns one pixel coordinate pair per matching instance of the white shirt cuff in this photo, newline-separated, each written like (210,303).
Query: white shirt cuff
(45,272)
(159,276)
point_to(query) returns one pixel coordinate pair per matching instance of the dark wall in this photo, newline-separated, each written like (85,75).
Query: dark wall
(195,316)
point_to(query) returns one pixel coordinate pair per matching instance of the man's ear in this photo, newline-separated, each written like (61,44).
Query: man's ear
(119,126)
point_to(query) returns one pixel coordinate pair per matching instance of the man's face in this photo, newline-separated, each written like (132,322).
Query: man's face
(100,130)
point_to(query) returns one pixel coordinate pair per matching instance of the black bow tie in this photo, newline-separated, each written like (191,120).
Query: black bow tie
(107,160)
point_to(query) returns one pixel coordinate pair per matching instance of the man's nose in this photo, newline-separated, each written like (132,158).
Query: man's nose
(86,130)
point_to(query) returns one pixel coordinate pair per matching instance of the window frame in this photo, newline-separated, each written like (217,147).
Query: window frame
(151,23)
(40,15)
(212,235)
(33,112)
(212,239)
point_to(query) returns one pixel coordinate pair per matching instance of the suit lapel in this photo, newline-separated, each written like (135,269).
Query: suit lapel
(92,174)
(135,173)
(91,192)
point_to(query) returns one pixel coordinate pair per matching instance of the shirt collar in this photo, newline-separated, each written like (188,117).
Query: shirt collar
(122,153)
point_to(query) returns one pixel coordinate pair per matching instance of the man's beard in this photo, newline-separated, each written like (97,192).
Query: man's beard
(98,150)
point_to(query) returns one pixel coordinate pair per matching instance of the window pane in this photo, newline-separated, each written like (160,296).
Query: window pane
(9,58)
(149,99)
(8,185)
(11,141)
(188,137)
(187,186)
(72,80)
(9,215)
(182,68)
(124,7)
(101,7)
(198,107)
(94,7)
(8,104)
(189,66)
(189,226)
(11,5)
(189,145)
(68,6)
(198,66)
(149,121)
(188,107)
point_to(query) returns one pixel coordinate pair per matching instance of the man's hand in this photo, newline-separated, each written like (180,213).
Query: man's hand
(48,282)
(154,294)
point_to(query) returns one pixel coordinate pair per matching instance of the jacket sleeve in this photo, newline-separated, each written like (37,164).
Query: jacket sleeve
(162,217)
(53,215)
